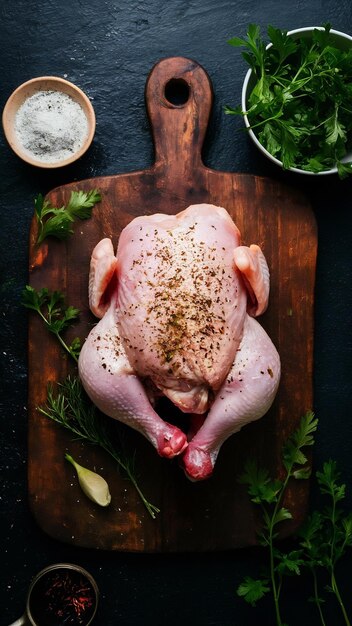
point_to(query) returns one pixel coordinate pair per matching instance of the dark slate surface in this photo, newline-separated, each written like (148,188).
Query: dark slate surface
(108,48)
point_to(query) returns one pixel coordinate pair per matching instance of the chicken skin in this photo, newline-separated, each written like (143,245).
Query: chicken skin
(176,306)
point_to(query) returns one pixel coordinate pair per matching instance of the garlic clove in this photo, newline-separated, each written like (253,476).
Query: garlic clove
(92,484)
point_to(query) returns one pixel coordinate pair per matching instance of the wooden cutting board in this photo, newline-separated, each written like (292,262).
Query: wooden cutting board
(214,514)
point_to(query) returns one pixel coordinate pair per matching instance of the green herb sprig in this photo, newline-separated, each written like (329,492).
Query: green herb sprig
(300,107)
(322,540)
(269,493)
(69,407)
(50,306)
(326,535)
(57,222)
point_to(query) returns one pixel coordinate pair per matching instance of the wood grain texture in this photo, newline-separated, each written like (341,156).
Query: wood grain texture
(214,514)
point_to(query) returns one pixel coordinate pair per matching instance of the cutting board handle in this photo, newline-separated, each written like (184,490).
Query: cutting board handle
(179,97)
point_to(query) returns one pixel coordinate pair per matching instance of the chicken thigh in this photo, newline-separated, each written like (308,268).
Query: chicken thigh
(177,304)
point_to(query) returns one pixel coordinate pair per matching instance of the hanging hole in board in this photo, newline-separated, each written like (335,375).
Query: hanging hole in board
(176,91)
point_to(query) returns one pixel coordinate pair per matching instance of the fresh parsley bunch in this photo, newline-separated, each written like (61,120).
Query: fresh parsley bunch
(301,105)
(323,538)
(326,535)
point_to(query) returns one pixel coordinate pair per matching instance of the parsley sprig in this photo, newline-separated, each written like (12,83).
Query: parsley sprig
(57,222)
(69,407)
(323,538)
(57,317)
(326,534)
(269,493)
(300,107)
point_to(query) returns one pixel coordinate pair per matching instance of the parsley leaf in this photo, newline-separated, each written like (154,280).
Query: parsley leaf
(57,222)
(289,563)
(57,317)
(260,486)
(328,481)
(252,590)
(344,169)
(301,438)
(334,129)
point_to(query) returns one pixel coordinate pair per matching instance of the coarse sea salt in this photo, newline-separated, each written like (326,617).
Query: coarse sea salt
(51,126)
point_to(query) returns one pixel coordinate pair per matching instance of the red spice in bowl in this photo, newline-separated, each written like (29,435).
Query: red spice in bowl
(62,595)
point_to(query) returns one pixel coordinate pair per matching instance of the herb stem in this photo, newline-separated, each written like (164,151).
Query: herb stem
(270,524)
(338,597)
(268,119)
(333,540)
(275,593)
(316,596)
(58,336)
(66,347)
(151,508)
(276,588)
(336,493)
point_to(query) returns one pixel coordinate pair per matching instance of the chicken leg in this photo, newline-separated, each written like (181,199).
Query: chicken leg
(245,396)
(116,390)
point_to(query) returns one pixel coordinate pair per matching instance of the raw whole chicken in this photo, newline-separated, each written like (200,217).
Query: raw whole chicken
(177,306)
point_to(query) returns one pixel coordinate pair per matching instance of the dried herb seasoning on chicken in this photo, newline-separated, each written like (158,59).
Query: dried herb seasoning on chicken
(177,306)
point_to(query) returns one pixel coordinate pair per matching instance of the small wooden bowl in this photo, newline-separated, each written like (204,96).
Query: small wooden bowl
(28,89)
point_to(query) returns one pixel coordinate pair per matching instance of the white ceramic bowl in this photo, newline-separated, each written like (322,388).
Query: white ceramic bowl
(340,40)
(31,88)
